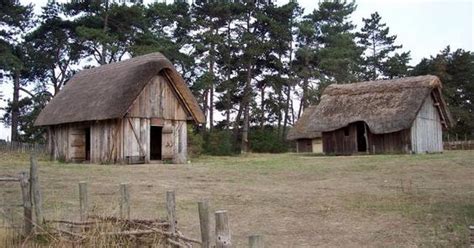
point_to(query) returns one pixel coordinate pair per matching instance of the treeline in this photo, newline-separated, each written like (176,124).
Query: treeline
(254,64)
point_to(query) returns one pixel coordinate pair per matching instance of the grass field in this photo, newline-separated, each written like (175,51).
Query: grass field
(293,200)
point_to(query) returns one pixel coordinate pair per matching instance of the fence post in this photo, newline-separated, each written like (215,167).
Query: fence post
(35,190)
(124,201)
(256,241)
(223,238)
(83,203)
(27,210)
(171,209)
(203,208)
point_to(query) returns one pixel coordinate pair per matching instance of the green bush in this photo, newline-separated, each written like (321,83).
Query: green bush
(219,143)
(267,140)
(195,143)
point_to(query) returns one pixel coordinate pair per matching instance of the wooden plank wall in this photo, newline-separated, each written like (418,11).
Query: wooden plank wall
(396,142)
(426,131)
(303,145)
(337,142)
(317,145)
(106,137)
(158,100)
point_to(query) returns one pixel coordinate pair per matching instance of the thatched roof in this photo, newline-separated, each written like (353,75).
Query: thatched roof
(385,105)
(107,91)
(300,129)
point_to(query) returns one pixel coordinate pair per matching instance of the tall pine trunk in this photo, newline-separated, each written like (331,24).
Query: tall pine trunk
(15,111)
(245,126)
(262,107)
(104,29)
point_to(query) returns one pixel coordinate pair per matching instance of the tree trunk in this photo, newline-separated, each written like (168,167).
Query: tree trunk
(105,28)
(262,107)
(246,101)
(211,88)
(304,99)
(15,111)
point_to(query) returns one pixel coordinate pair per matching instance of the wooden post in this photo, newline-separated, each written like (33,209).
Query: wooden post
(471,235)
(124,201)
(256,241)
(27,209)
(83,204)
(465,142)
(223,238)
(35,190)
(203,208)
(171,210)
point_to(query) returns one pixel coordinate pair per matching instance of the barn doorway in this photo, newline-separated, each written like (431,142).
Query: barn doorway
(155,142)
(87,133)
(361,137)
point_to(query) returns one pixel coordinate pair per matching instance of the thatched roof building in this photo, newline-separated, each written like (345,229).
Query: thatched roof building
(399,115)
(306,140)
(134,110)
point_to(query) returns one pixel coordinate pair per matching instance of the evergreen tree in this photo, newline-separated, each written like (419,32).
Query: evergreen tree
(339,55)
(378,44)
(107,28)
(456,71)
(397,65)
(15,18)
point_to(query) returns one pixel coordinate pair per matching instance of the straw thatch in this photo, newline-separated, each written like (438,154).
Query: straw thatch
(385,105)
(107,92)
(300,129)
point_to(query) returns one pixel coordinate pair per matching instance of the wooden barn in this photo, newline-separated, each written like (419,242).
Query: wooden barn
(306,140)
(134,111)
(405,115)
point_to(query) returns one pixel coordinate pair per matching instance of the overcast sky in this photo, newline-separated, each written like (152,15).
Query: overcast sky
(423,27)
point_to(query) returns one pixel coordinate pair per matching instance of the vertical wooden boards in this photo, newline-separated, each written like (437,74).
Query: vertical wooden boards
(158,100)
(136,137)
(180,142)
(426,131)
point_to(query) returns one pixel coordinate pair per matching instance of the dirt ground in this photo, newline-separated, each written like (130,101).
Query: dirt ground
(292,200)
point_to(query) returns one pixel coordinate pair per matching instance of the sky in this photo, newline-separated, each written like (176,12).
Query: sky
(423,27)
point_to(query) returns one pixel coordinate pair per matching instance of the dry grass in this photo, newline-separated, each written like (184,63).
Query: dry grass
(293,200)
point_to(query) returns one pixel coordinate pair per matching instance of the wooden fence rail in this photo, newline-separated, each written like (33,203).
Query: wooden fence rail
(23,147)
(459,145)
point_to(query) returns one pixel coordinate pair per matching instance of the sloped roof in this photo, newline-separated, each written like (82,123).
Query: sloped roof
(385,105)
(107,91)
(300,129)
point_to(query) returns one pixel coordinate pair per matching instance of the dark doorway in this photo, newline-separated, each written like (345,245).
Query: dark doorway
(155,142)
(361,137)
(87,133)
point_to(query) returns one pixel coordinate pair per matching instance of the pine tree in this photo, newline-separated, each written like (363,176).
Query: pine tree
(15,18)
(339,54)
(397,65)
(378,44)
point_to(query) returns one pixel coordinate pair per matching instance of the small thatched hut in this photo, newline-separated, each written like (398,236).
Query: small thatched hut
(387,116)
(133,111)
(306,140)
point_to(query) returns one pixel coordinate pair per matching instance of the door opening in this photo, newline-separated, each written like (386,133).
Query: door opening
(361,137)
(87,133)
(155,142)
